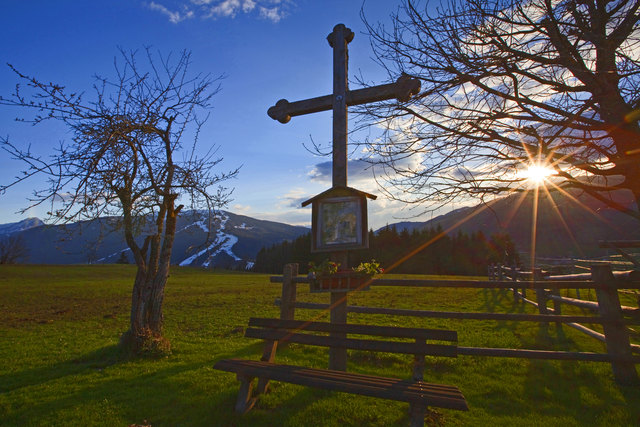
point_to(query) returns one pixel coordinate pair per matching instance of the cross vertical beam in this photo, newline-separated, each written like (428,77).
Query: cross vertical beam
(338,40)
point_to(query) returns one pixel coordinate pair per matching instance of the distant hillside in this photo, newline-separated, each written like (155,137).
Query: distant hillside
(230,241)
(16,227)
(568,225)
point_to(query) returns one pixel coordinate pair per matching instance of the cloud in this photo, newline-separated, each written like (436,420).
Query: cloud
(286,209)
(270,10)
(241,209)
(273,14)
(293,199)
(358,170)
(174,17)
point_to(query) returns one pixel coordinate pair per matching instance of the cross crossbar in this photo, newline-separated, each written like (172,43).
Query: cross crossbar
(402,90)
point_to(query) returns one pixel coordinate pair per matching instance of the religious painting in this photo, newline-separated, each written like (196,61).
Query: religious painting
(339,220)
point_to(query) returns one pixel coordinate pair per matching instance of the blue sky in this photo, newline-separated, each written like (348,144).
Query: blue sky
(267,49)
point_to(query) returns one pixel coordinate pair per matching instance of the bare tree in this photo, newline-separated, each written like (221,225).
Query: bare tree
(128,158)
(12,249)
(508,84)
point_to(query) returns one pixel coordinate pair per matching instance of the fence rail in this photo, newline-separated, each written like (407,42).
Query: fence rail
(601,279)
(479,284)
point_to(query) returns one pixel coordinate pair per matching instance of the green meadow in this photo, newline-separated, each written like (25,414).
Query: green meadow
(60,364)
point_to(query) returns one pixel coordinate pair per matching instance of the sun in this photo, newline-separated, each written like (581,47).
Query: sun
(537,174)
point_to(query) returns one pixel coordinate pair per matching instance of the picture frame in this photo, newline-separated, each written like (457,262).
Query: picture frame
(339,220)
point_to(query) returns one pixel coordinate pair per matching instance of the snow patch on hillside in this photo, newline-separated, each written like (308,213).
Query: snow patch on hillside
(203,224)
(105,258)
(223,243)
(243,226)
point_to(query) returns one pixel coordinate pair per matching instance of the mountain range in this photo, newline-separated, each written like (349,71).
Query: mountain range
(568,225)
(227,241)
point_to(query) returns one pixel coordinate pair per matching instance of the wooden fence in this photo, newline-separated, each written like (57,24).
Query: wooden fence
(613,317)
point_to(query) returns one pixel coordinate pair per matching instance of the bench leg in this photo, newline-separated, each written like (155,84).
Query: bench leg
(245,399)
(263,385)
(268,355)
(416,414)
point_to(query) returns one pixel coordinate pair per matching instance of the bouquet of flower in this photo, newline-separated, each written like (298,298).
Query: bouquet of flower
(325,268)
(369,268)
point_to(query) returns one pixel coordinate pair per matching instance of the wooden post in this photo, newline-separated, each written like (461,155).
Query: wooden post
(288,301)
(417,412)
(557,305)
(541,294)
(418,363)
(287,312)
(338,40)
(514,278)
(615,331)
(338,356)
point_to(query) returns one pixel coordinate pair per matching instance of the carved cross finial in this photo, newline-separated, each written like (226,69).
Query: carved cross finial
(337,30)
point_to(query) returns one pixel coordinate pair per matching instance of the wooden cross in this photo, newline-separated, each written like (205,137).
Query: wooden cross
(341,98)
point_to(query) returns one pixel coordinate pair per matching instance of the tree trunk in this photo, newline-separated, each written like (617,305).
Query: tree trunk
(145,333)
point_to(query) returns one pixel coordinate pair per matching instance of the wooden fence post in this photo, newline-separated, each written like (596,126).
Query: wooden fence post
(288,301)
(541,294)
(338,314)
(287,312)
(514,278)
(557,305)
(615,331)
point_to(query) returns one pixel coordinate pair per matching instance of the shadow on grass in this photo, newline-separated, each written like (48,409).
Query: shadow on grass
(109,385)
(493,300)
(561,389)
(96,360)
(566,388)
(552,389)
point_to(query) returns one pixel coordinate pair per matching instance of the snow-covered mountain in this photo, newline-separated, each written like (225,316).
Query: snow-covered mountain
(15,227)
(225,240)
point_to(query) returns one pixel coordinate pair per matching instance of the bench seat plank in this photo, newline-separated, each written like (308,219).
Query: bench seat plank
(420,392)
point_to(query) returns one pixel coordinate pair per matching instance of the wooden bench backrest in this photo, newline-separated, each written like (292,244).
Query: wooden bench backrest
(301,332)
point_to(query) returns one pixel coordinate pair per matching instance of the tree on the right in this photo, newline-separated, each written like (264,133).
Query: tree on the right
(510,87)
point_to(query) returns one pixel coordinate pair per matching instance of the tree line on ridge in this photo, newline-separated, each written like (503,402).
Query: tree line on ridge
(435,252)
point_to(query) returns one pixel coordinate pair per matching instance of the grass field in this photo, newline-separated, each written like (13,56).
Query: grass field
(60,365)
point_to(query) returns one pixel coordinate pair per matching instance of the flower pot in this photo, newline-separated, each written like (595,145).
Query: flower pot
(342,281)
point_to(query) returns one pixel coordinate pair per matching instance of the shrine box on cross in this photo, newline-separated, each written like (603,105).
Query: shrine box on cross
(339,220)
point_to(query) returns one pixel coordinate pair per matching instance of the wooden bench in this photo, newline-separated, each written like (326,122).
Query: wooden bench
(415,391)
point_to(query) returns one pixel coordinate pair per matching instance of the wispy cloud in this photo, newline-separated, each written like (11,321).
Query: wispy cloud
(174,16)
(273,14)
(359,170)
(293,199)
(179,10)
